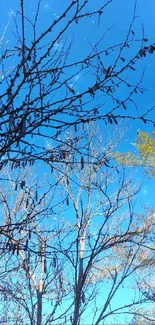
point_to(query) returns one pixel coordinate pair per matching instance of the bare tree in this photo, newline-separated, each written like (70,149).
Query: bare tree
(33,283)
(89,249)
(25,248)
(109,238)
(24,199)
(38,98)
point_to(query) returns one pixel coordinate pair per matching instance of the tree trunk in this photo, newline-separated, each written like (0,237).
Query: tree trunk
(79,282)
(39,307)
(77,303)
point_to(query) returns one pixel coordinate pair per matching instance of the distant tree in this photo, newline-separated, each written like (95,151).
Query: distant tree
(91,247)
(145,157)
(38,99)
(144,316)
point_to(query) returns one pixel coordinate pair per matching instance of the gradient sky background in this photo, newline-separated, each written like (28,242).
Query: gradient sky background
(120,14)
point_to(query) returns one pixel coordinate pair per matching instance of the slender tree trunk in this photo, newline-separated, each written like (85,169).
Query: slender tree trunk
(40,286)
(39,307)
(78,292)
(77,302)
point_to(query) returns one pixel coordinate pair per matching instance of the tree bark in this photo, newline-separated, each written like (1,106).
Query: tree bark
(79,282)
(39,307)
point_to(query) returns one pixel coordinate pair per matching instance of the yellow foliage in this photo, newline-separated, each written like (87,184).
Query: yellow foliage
(145,144)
